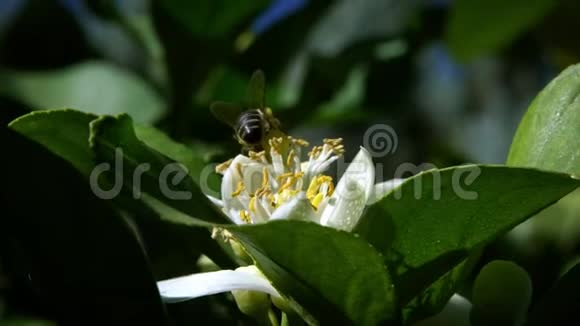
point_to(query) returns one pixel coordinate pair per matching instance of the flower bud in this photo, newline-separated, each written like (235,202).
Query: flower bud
(239,251)
(501,294)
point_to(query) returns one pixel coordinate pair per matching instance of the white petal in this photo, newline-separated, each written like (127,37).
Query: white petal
(218,202)
(234,215)
(260,214)
(383,188)
(354,189)
(252,176)
(202,284)
(297,208)
(230,182)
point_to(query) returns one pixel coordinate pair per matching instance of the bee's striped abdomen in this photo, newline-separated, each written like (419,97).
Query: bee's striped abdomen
(249,127)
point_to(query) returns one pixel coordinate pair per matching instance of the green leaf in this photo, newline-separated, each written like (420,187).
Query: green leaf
(73,250)
(198,168)
(437,218)
(114,142)
(63,132)
(479,27)
(548,136)
(66,134)
(212,18)
(336,277)
(432,300)
(95,87)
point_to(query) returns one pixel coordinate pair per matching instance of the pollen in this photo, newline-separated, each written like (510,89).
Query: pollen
(252,204)
(284,176)
(315,151)
(264,191)
(290,158)
(291,180)
(335,144)
(245,216)
(283,196)
(276,144)
(257,156)
(316,200)
(315,192)
(239,169)
(239,188)
(221,168)
(299,142)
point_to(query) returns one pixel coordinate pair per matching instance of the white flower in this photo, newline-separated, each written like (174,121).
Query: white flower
(258,189)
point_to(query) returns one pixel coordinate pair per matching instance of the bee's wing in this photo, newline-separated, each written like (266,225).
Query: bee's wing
(257,90)
(226,112)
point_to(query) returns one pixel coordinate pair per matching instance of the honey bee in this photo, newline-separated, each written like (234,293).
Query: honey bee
(254,123)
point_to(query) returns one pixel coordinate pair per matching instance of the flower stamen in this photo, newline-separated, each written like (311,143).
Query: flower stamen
(258,156)
(222,167)
(245,216)
(299,142)
(239,188)
(276,144)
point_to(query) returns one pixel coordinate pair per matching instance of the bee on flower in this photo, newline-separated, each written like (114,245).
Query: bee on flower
(278,177)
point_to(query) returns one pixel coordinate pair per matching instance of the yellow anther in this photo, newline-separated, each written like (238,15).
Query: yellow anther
(332,141)
(299,142)
(290,158)
(314,188)
(221,168)
(265,177)
(276,144)
(288,184)
(330,188)
(315,151)
(291,179)
(316,200)
(284,176)
(257,156)
(252,204)
(263,191)
(245,216)
(335,145)
(239,188)
(272,199)
(284,196)
(239,169)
